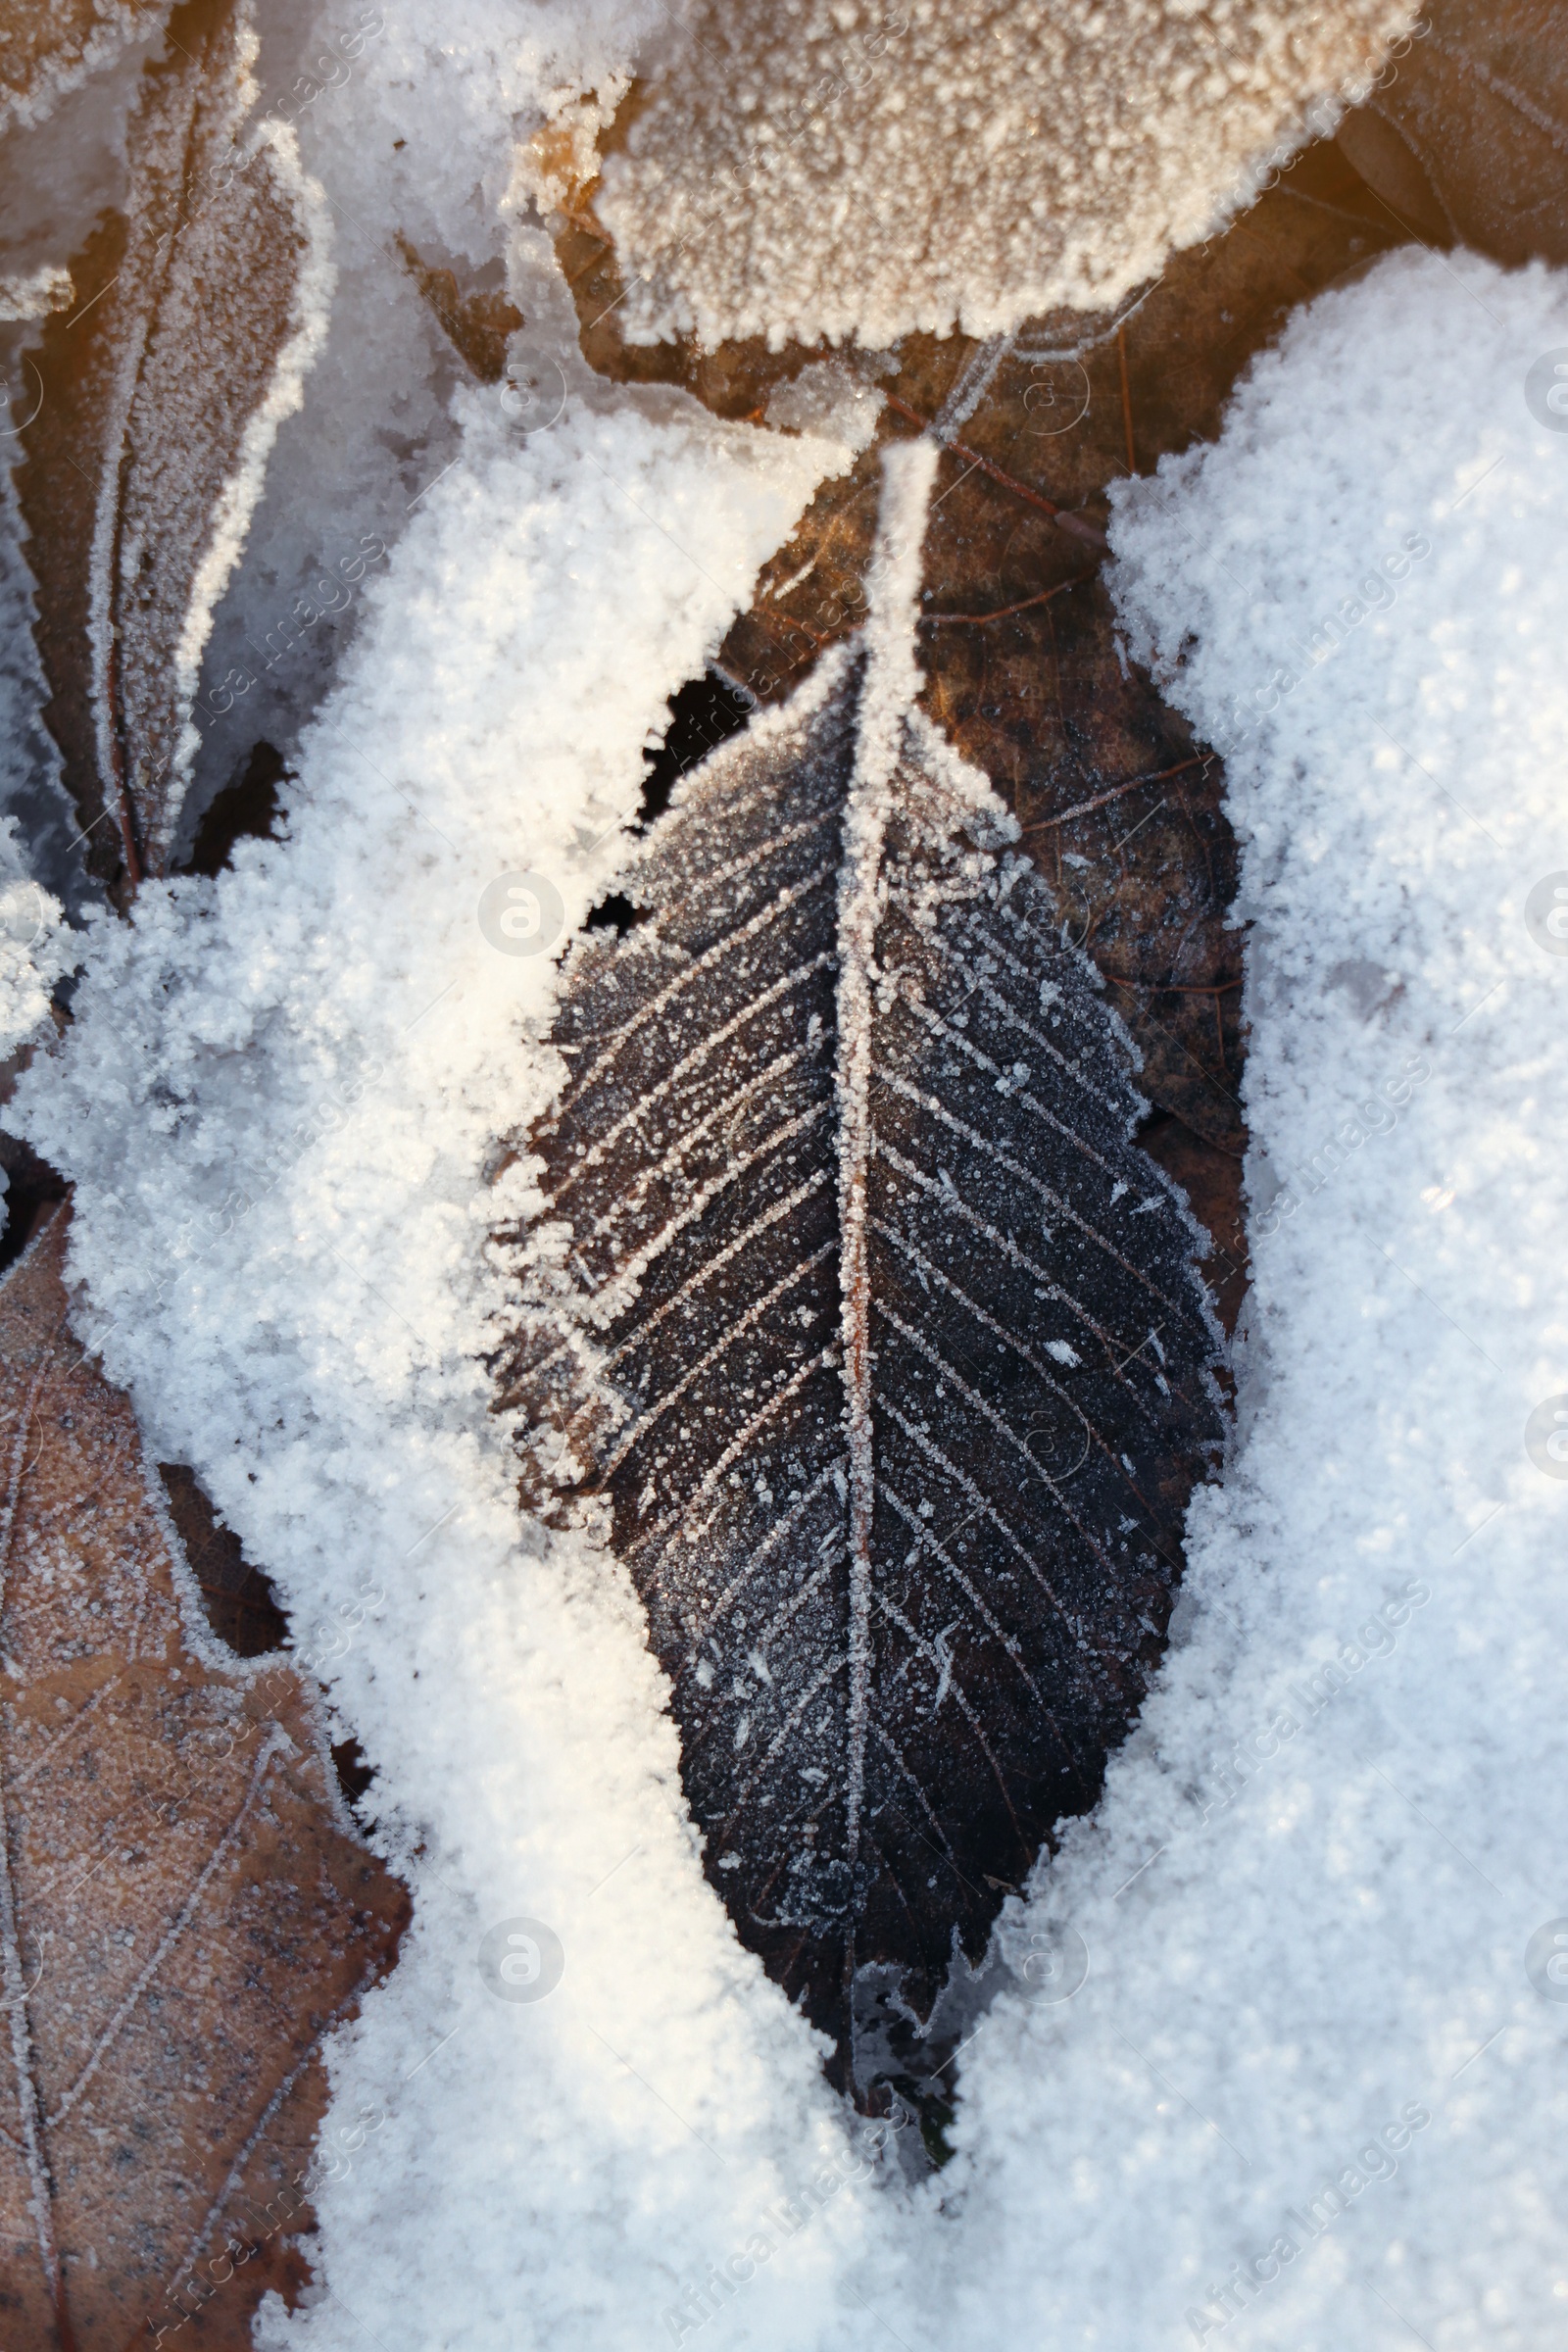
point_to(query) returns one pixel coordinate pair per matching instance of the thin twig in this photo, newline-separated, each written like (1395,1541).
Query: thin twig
(948,621)
(1102,799)
(1126,398)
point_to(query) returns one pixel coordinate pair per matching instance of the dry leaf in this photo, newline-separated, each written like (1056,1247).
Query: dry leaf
(1465,138)
(199,311)
(1023,667)
(863,169)
(184,1909)
(867,1323)
(47,46)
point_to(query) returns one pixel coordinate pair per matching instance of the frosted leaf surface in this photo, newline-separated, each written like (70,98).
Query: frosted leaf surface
(160,409)
(854,170)
(875,1331)
(48,46)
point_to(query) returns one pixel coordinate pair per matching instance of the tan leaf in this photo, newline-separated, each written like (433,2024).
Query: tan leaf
(476,320)
(1466,139)
(185,1908)
(160,395)
(863,171)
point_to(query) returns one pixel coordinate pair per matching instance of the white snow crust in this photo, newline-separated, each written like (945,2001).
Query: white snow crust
(36,945)
(1309,1891)
(279,1106)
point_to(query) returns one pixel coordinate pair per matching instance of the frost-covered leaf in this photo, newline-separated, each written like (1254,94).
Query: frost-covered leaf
(858,1313)
(1025,669)
(862,169)
(199,311)
(1468,138)
(184,1909)
(47,46)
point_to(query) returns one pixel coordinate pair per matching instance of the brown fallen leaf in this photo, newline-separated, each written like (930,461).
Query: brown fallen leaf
(158,398)
(1120,807)
(46,46)
(861,170)
(184,1907)
(1465,139)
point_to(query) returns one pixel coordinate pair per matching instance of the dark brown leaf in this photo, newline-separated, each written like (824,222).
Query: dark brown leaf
(1121,809)
(871,1331)
(184,1909)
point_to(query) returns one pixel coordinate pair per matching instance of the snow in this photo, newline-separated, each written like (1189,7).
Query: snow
(1307,1898)
(1305,1942)
(280,1105)
(37,946)
(408,119)
(858,171)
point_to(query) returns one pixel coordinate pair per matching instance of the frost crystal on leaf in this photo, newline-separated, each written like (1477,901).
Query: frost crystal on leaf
(863,1322)
(49,46)
(200,313)
(863,171)
(35,946)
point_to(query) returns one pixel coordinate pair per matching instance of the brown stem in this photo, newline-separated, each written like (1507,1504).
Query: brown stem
(1126,398)
(948,621)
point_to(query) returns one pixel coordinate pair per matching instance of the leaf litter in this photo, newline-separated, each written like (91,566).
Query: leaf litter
(1115,784)
(186,1908)
(1025,666)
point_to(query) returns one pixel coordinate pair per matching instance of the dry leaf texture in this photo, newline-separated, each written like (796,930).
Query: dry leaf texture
(861,169)
(865,1318)
(183,1906)
(200,312)
(1466,137)
(47,46)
